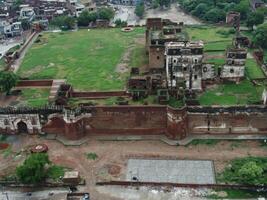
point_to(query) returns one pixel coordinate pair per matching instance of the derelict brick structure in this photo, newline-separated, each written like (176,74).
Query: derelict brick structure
(135,120)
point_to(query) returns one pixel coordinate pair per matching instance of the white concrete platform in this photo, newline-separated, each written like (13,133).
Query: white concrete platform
(171,171)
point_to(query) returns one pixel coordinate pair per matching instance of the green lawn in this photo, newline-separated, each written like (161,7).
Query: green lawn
(87,59)
(209,33)
(217,46)
(253,69)
(2,64)
(232,94)
(139,57)
(35,97)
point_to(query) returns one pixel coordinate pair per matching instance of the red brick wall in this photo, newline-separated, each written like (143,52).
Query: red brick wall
(99,94)
(156,57)
(35,83)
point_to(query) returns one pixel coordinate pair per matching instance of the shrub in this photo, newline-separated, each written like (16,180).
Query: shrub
(91,156)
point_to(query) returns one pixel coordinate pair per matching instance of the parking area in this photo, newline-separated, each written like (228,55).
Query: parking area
(171,171)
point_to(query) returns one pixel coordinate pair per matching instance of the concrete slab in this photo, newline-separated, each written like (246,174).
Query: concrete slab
(171,171)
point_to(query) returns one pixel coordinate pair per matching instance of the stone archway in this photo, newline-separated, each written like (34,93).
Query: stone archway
(22,127)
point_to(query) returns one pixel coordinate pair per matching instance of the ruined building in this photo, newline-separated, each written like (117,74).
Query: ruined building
(158,32)
(234,68)
(184,64)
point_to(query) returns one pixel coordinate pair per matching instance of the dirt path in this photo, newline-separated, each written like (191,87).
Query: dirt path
(112,156)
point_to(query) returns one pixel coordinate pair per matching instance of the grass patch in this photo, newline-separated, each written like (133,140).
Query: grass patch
(217,46)
(35,97)
(209,33)
(87,59)
(253,70)
(7,152)
(232,94)
(236,194)
(2,64)
(138,57)
(175,103)
(55,172)
(91,156)
(208,142)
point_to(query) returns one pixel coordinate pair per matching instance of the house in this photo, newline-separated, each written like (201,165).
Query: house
(14,29)
(27,13)
(255,4)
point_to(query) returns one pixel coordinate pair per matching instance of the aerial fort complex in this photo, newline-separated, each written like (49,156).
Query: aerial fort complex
(176,68)
(118,99)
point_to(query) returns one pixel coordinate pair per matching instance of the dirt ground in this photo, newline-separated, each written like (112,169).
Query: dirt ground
(112,156)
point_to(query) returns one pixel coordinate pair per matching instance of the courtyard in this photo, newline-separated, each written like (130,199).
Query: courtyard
(87,59)
(90,61)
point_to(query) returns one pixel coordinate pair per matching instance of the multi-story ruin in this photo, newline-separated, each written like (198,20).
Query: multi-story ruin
(234,68)
(184,64)
(160,31)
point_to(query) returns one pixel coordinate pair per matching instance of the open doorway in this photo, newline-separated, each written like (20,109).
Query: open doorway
(22,127)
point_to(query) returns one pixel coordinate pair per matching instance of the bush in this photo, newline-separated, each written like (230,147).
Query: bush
(251,170)
(120,23)
(33,169)
(55,172)
(91,156)
(260,36)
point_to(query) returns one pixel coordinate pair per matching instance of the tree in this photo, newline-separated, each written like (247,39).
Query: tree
(260,36)
(250,172)
(86,17)
(255,18)
(215,15)
(200,10)
(33,170)
(105,13)
(7,81)
(165,3)
(243,8)
(120,23)
(64,22)
(139,10)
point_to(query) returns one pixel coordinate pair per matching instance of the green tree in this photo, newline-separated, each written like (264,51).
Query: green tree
(7,81)
(33,169)
(64,22)
(163,3)
(105,13)
(260,35)
(255,18)
(200,10)
(244,8)
(215,15)
(86,17)
(120,23)
(140,10)
(250,172)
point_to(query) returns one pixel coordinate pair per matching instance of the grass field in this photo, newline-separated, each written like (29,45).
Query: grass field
(253,69)
(232,94)
(87,59)
(34,97)
(209,33)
